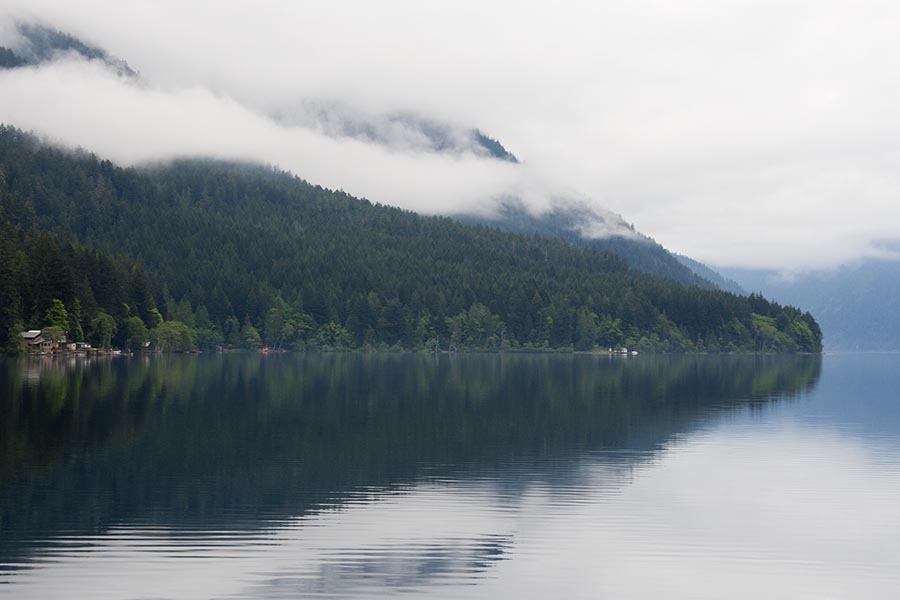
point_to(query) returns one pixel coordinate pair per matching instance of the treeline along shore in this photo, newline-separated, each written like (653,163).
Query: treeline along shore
(199,255)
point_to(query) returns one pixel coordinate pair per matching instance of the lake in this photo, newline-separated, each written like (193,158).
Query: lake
(469,476)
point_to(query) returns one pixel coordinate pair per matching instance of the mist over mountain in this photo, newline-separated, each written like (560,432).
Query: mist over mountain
(520,204)
(449,165)
(775,144)
(406,131)
(573,220)
(578,223)
(32,44)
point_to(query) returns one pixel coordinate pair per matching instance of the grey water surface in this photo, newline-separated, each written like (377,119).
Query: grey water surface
(469,476)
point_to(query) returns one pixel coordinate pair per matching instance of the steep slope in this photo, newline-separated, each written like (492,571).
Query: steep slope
(580,224)
(711,275)
(234,249)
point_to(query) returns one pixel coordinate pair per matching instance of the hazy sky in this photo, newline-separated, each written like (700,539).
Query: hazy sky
(741,133)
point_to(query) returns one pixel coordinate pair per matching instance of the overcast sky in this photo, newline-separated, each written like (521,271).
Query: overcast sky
(741,133)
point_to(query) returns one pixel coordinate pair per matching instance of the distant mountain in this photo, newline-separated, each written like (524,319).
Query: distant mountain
(37,44)
(858,306)
(600,229)
(402,130)
(242,255)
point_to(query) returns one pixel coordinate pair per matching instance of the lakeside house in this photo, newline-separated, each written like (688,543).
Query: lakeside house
(36,340)
(50,340)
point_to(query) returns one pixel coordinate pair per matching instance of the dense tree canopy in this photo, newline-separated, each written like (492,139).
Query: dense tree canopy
(205,253)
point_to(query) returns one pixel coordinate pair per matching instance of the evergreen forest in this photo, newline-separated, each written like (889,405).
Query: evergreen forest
(200,254)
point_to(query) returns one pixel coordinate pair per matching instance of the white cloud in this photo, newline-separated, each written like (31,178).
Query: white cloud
(80,103)
(743,133)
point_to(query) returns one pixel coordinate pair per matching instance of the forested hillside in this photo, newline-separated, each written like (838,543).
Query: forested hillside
(711,275)
(577,223)
(204,253)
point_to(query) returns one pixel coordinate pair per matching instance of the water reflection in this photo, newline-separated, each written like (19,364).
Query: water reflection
(338,474)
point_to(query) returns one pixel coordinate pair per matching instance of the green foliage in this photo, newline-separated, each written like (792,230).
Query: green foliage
(156,318)
(250,337)
(609,332)
(75,328)
(54,333)
(172,336)
(57,316)
(103,328)
(586,330)
(11,277)
(304,266)
(208,338)
(332,335)
(136,333)
(232,332)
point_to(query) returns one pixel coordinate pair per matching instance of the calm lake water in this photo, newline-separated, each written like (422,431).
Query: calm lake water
(477,476)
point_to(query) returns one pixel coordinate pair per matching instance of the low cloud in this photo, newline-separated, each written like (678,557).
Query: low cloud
(79,103)
(737,132)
